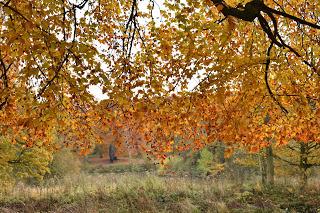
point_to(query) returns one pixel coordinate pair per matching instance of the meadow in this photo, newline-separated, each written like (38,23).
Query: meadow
(142,188)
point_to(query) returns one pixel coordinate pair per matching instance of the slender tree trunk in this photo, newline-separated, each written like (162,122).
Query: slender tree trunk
(263,168)
(270,165)
(303,165)
(221,149)
(129,153)
(304,178)
(267,166)
(268,158)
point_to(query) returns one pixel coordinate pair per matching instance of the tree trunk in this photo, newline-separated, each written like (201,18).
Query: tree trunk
(270,165)
(112,153)
(263,168)
(267,166)
(221,149)
(303,165)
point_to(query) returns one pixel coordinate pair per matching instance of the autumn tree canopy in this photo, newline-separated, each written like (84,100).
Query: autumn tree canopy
(238,71)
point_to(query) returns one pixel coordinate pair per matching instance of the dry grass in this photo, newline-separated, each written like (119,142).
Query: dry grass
(147,192)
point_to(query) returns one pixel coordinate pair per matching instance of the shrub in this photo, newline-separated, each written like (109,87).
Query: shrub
(200,163)
(204,163)
(98,151)
(64,163)
(20,162)
(178,165)
(207,164)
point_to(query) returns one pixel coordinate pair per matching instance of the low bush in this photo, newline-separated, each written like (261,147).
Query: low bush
(18,162)
(64,163)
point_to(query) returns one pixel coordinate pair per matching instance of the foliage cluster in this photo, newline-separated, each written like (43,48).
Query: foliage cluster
(198,69)
(19,162)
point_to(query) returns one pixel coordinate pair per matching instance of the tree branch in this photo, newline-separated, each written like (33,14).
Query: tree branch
(285,160)
(55,76)
(267,81)
(294,18)
(253,9)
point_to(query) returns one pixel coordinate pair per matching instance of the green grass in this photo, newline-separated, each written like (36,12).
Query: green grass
(147,192)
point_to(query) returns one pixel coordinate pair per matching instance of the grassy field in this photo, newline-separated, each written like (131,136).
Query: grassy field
(128,188)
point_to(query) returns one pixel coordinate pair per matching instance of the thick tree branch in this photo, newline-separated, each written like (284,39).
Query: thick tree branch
(286,15)
(253,9)
(266,76)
